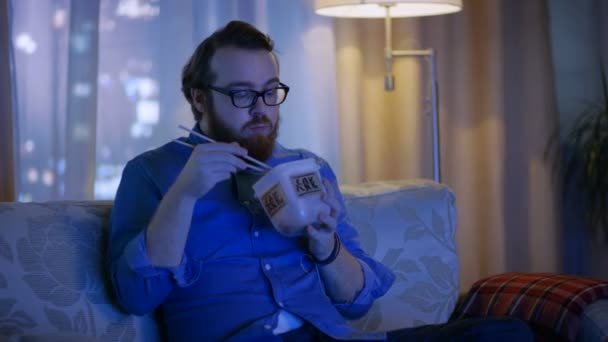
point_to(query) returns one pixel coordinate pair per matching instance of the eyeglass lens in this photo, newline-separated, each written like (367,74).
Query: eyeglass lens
(247,98)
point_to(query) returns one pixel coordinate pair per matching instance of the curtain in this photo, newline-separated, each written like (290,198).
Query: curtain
(99,83)
(497,111)
(7,156)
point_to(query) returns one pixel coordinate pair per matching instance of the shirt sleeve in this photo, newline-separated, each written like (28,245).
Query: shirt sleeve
(138,285)
(377,277)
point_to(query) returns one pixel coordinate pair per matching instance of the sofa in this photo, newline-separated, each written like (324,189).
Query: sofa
(53,286)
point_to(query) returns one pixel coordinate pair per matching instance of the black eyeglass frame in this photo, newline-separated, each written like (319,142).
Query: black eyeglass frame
(230,93)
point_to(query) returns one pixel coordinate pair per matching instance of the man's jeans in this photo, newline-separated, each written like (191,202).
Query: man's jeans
(481,329)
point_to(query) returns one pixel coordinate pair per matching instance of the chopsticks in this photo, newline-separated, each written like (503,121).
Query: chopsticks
(263,167)
(253,167)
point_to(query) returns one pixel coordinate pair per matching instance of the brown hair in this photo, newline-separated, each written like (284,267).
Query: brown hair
(197,73)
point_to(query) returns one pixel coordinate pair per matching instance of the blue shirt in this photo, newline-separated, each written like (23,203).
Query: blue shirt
(237,272)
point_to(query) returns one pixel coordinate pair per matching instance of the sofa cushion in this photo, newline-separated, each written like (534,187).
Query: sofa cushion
(548,302)
(410,227)
(52,276)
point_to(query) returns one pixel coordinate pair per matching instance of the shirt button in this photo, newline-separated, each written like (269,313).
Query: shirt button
(267,326)
(267,267)
(256,233)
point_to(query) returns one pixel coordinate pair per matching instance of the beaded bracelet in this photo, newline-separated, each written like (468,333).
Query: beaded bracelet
(333,255)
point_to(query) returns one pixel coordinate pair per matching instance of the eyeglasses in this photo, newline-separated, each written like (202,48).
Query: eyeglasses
(247,98)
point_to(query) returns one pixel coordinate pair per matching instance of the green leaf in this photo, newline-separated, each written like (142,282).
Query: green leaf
(80,323)
(59,319)
(438,225)
(28,258)
(414,233)
(408,213)
(121,331)
(439,271)
(584,169)
(375,319)
(422,295)
(23,319)
(6,305)
(46,288)
(392,255)
(6,252)
(407,266)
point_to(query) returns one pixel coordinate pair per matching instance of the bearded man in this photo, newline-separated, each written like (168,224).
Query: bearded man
(187,237)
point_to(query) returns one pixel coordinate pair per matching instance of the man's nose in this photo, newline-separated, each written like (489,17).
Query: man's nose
(258,108)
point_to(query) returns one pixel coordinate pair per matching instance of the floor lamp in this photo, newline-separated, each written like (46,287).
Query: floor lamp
(398,8)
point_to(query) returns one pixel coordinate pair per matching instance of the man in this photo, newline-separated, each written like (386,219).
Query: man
(187,237)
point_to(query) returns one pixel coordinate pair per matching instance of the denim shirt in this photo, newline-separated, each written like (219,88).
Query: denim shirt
(237,272)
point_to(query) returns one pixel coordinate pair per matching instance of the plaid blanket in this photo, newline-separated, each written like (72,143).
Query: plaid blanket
(553,302)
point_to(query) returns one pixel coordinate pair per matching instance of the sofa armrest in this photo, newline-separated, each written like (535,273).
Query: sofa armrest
(553,304)
(409,226)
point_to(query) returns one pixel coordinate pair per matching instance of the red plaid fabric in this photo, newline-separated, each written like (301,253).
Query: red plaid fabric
(551,301)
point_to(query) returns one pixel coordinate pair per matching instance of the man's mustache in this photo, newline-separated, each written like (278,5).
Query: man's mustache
(261,120)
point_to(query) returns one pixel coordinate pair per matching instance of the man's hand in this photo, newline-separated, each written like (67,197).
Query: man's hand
(208,165)
(321,234)
(342,277)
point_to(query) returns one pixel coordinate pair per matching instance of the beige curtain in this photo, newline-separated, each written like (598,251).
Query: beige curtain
(7,166)
(497,110)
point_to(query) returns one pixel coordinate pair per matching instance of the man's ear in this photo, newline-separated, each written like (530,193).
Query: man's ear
(199,100)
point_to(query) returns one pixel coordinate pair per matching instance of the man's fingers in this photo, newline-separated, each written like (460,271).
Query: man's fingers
(330,199)
(312,231)
(232,148)
(325,224)
(333,204)
(220,168)
(329,188)
(220,157)
(328,222)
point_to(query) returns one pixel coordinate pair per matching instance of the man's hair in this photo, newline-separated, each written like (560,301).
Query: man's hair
(197,73)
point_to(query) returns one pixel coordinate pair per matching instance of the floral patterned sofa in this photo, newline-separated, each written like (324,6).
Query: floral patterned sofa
(53,286)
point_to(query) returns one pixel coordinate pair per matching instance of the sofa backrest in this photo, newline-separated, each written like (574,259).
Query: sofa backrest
(53,283)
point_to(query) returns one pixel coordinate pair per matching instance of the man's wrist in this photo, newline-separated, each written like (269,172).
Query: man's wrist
(181,192)
(333,255)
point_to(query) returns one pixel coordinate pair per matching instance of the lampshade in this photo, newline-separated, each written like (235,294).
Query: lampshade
(376,8)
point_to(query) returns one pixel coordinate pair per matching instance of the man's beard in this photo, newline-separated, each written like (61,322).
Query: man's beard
(259,147)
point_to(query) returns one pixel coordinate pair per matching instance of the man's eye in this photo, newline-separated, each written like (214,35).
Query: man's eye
(243,94)
(270,92)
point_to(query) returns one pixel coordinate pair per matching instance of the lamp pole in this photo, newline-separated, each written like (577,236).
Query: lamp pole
(389,83)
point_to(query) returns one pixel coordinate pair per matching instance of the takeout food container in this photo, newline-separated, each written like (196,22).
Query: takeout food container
(290,194)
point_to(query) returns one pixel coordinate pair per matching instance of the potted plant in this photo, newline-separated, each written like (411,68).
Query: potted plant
(583,166)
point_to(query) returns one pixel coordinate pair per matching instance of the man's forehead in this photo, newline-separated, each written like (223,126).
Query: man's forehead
(248,66)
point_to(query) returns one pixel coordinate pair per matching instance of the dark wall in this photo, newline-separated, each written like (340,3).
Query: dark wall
(579,32)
